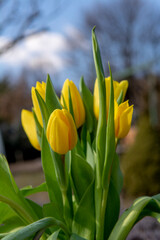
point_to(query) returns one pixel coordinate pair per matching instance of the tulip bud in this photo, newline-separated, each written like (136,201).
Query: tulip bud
(41,88)
(61,131)
(29,127)
(78,107)
(118,87)
(123,118)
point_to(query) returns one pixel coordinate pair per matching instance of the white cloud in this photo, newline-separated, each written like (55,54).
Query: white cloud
(40,50)
(77,37)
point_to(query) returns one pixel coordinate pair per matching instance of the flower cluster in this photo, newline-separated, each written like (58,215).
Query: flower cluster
(61,129)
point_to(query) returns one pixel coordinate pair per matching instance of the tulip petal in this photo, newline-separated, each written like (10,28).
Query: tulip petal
(118,87)
(72,129)
(41,88)
(36,106)
(116,117)
(125,122)
(29,126)
(122,107)
(61,131)
(78,107)
(122,86)
(96,100)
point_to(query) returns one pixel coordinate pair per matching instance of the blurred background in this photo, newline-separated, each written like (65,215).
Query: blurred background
(40,37)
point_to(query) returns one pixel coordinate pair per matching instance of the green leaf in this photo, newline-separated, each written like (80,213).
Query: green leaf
(84,218)
(43,108)
(10,194)
(54,235)
(90,156)
(96,54)
(50,174)
(29,190)
(52,100)
(76,237)
(37,208)
(144,206)
(120,98)
(87,98)
(38,127)
(101,128)
(51,210)
(35,227)
(64,102)
(8,218)
(82,174)
(70,103)
(116,175)
(112,210)
(67,199)
(110,138)
(83,137)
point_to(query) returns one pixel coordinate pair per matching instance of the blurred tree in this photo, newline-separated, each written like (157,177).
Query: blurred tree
(13,99)
(128,33)
(141,163)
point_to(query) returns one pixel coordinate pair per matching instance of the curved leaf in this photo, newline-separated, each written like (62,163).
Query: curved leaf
(88,104)
(35,227)
(116,174)
(50,174)
(54,235)
(84,218)
(82,174)
(29,190)
(112,210)
(144,206)
(43,108)
(10,194)
(52,100)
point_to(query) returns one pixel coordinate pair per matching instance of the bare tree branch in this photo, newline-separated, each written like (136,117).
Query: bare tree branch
(22,20)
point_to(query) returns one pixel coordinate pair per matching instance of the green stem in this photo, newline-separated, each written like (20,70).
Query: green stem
(101,213)
(67,209)
(98,201)
(59,166)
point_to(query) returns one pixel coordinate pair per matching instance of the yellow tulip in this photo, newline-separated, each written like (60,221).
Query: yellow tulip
(29,127)
(41,88)
(118,87)
(61,131)
(122,118)
(78,107)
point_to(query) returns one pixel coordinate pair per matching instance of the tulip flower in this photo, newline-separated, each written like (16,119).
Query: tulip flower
(41,88)
(118,87)
(77,103)
(122,118)
(61,131)
(29,127)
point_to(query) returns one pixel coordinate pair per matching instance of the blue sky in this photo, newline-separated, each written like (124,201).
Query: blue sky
(48,49)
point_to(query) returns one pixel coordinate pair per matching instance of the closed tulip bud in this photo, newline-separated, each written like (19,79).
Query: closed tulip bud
(118,87)
(61,131)
(77,103)
(29,127)
(123,118)
(41,88)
